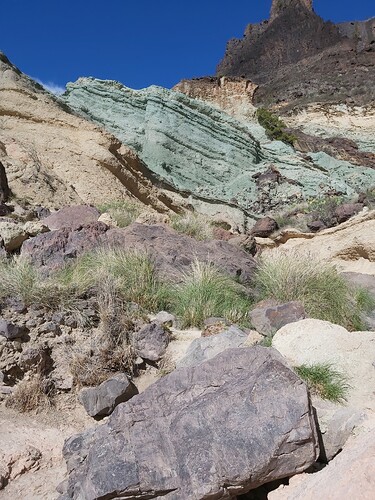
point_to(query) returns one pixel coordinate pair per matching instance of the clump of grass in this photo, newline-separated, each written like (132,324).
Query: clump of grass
(324,209)
(193,225)
(275,128)
(33,394)
(205,292)
(324,293)
(323,380)
(124,212)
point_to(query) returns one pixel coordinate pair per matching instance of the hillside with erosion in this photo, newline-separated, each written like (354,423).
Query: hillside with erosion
(187,276)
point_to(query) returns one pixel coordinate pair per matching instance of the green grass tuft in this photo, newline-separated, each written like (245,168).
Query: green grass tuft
(324,293)
(205,292)
(193,225)
(124,212)
(323,380)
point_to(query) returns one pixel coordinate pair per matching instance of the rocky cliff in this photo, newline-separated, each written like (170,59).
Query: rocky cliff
(52,157)
(297,57)
(205,152)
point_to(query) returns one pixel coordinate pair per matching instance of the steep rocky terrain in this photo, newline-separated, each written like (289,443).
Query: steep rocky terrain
(297,58)
(53,158)
(205,152)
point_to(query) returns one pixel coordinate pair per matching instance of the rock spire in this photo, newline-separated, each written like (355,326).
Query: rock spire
(278,6)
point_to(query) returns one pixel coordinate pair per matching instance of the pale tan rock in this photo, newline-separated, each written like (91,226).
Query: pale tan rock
(34,227)
(351,475)
(350,246)
(12,234)
(152,217)
(312,341)
(108,219)
(54,158)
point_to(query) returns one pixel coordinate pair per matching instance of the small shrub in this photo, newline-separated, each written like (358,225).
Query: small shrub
(275,128)
(325,381)
(124,212)
(324,293)
(193,225)
(205,292)
(324,209)
(31,395)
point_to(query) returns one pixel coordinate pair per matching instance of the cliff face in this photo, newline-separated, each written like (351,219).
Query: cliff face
(206,153)
(52,157)
(296,57)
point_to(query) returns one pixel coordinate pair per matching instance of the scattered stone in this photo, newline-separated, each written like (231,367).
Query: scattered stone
(213,326)
(107,219)
(316,225)
(12,234)
(42,212)
(268,316)
(50,327)
(72,217)
(205,348)
(4,210)
(245,242)
(199,432)
(347,210)
(165,318)
(101,401)
(264,227)
(11,331)
(33,227)
(151,341)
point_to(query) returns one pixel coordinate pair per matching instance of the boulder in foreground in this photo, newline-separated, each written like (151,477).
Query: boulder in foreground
(215,430)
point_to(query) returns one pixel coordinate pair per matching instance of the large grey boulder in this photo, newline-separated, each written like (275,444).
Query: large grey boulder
(205,348)
(211,431)
(100,401)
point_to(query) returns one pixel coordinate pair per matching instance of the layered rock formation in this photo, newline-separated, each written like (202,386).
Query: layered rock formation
(52,157)
(296,57)
(203,151)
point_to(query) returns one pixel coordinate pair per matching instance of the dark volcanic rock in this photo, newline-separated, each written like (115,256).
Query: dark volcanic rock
(347,210)
(212,431)
(54,249)
(268,317)
(171,252)
(316,225)
(4,187)
(264,227)
(151,341)
(101,401)
(72,217)
(11,331)
(298,57)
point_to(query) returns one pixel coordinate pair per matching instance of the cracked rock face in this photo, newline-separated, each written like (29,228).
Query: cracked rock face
(201,150)
(211,431)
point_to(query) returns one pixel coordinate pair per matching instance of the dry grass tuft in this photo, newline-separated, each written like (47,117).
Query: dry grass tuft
(31,395)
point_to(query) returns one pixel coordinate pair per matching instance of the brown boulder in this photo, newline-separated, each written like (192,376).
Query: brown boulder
(72,217)
(268,316)
(171,252)
(264,227)
(347,210)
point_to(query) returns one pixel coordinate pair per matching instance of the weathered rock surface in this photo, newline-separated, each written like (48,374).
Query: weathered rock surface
(312,341)
(264,227)
(206,431)
(151,341)
(205,348)
(55,158)
(350,475)
(72,217)
(296,57)
(100,401)
(11,331)
(267,316)
(350,245)
(202,151)
(171,252)
(347,210)
(12,235)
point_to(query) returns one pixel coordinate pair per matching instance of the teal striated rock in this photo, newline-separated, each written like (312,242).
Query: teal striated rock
(201,150)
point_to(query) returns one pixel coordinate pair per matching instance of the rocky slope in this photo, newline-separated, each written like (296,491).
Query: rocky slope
(54,158)
(297,58)
(205,152)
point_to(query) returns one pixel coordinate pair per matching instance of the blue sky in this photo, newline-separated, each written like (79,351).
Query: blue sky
(138,42)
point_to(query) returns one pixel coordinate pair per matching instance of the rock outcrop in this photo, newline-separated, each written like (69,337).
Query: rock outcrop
(207,154)
(296,57)
(54,158)
(212,431)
